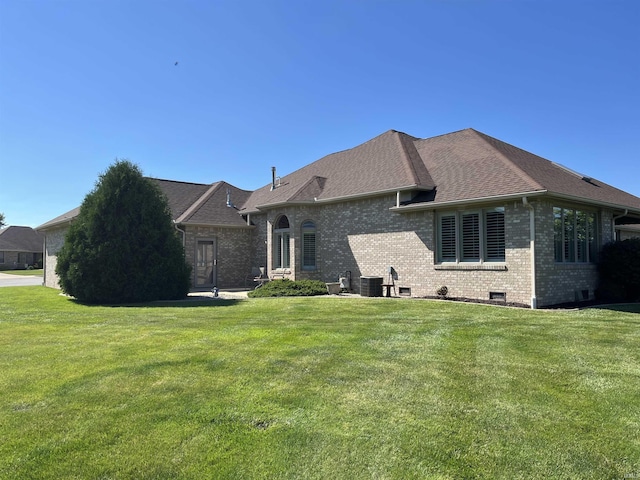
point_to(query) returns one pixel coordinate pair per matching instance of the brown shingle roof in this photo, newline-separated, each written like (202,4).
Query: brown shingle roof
(557,179)
(385,163)
(465,166)
(217,206)
(462,166)
(60,220)
(190,203)
(20,239)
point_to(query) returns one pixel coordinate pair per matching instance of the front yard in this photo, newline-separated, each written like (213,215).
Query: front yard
(315,388)
(37,272)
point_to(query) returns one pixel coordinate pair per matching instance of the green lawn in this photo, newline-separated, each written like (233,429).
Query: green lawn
(315,388)
(38,272)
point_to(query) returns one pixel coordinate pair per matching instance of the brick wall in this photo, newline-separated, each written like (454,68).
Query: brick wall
(233,253)
(564,282)
(54,239)
(365,238)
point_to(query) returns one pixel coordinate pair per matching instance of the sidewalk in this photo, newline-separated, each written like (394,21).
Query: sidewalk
(8,280)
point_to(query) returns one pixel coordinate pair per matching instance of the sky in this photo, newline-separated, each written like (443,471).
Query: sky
(285,82)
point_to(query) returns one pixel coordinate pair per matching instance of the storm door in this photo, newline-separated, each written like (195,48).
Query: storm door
(206,275)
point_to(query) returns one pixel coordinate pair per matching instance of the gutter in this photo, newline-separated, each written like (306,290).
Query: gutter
(342,198)
(532,250)
(468,201)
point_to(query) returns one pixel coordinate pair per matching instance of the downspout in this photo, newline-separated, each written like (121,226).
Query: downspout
(44,264)
(398,199)
(175,225)
(532,250)
(613,223)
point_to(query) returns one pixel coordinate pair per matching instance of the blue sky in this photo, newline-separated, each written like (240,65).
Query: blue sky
(283,83)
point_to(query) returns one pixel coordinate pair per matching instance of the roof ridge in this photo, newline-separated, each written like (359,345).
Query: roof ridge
(409,167)
(305,185)
(177,181)
(410,160)
(199,202)
(519,171)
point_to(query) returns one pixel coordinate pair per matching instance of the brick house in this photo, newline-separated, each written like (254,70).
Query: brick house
(464,210)
(626,232)
(20,247)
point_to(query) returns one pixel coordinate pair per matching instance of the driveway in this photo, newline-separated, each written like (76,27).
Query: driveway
(7,280)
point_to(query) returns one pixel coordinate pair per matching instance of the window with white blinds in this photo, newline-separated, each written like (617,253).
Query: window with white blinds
(308,245)
(494,237)
(472,236)
(281,243)
(447,242)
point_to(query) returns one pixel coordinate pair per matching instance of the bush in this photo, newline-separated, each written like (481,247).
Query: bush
(122,247)
(289,288)
(619,271)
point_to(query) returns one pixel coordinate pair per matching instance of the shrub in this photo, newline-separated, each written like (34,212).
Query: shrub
(122,247)
(289,288)
(619,271)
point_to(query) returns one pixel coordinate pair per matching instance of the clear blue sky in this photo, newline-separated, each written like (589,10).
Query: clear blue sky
(283,83)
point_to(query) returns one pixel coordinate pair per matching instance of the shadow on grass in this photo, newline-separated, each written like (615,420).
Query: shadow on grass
(619,307)
(186,303)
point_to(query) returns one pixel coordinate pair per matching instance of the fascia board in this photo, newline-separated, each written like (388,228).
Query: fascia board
(343,198)
(468,201)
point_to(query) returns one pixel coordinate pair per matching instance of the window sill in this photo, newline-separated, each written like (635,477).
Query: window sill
(575,264)
(494,267)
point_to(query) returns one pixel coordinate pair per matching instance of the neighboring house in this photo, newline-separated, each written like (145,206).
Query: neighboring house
(20,248)
(625,232)
(463,210)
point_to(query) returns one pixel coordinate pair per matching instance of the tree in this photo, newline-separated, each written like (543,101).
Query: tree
(2,224)
(123,247)
(619,271)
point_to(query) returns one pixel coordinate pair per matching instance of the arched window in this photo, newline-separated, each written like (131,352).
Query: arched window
(281,237)
(308,245)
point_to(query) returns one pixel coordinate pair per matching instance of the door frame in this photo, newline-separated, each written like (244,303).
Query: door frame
(214,262)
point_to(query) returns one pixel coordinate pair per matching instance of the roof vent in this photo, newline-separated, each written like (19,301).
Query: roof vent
(229,202)
(275,181)
(573,172)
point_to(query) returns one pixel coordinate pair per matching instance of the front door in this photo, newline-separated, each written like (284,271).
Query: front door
(206,275)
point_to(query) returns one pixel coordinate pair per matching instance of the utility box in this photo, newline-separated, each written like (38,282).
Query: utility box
(371,286)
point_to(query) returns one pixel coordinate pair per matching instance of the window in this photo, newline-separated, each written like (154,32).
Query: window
(281,239)
(1,257)
(474,236)
(574,235)
(308,245)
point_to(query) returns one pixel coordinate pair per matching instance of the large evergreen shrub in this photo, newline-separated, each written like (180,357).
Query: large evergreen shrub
(619,271)
(123,247)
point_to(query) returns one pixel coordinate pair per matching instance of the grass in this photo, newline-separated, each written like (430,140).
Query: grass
(315,388)
(37,272)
